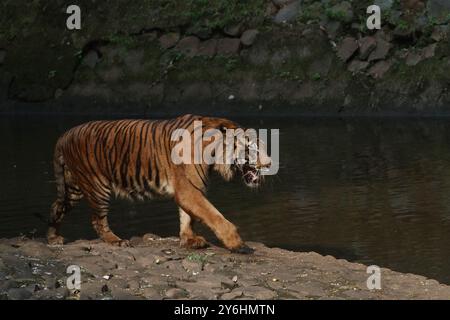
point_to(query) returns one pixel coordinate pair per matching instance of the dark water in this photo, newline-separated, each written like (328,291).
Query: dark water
(375,191)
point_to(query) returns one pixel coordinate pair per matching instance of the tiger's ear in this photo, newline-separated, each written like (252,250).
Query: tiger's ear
(225,124)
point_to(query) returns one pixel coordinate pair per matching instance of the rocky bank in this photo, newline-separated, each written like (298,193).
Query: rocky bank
(225,57)
(157,268)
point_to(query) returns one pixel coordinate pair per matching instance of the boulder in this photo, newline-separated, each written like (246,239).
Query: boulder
(19,294)
(288,13)
(249,37)
(176,293)
(415,57)
(271,9)
(188,46)
(429,51)
(333,28)
(440,33)
(379,69)
(384,4)
(228,46)
(347,48)
(169,40)
(91,59)
(366,46)
(233,30)
(259,293)
(356,66)
(381,51)
(134,60)
(439,10)
(208,48)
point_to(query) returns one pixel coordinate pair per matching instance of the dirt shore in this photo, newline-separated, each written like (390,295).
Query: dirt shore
(157,268)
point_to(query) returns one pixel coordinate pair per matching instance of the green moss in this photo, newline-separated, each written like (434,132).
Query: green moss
(122,40)
(212,14)
(200,258)
(316,77)
(403,25)
(312,12)
(336,15)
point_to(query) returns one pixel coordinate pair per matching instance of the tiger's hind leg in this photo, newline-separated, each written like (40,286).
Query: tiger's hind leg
(69,194)
(99,219)
(187,236)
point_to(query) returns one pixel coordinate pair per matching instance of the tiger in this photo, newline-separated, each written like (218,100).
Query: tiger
(131,159)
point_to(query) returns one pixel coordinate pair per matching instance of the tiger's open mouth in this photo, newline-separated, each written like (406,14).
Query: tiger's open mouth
(251,175)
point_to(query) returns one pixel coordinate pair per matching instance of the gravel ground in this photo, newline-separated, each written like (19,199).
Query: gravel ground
(157,268)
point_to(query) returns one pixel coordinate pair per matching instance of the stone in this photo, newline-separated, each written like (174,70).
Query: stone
(429,51)
(19,294)
(191,266)
(438,10)
(176,293)
(384,4)
(200,32)
(91,59)
(260,293)
(150,36)
(402,31)
(233,30)
(169,40)
(208,48)
(413,58)
(288,13)
(111,74)
(249,37)
(333,28)
(440,33)
(188,46)
(34,248)
(228,46)
(383,35)
(134,60)
(271,9)
(347,48)
(357,66)
(366,46)
(342,11)
(151,293)
(236,293)
(379,69)
(381,51)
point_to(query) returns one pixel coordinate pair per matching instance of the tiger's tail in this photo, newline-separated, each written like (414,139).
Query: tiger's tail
(58,168)
(59,206)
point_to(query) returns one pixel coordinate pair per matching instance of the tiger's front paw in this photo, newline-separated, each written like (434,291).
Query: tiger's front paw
(121,243)
(55,240)
(195,242)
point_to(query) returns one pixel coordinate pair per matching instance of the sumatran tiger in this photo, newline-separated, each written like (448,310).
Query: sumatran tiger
(132,159)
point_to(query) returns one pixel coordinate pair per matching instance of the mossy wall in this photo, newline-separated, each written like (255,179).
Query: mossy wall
(222,56)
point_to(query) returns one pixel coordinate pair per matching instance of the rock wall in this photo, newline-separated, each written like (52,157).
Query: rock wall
(225,57)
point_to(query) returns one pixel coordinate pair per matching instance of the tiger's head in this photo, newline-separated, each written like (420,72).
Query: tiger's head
(244,154)
(251,160)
